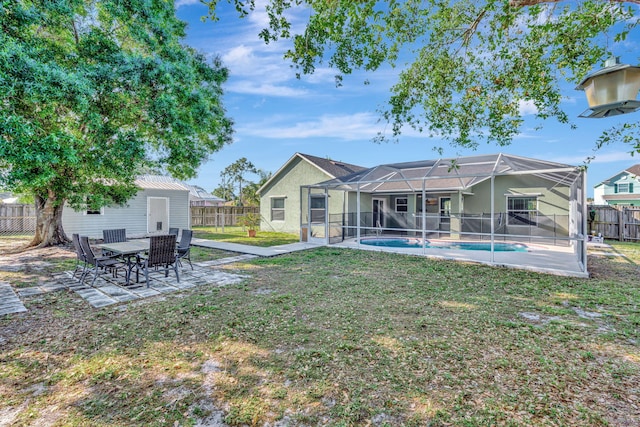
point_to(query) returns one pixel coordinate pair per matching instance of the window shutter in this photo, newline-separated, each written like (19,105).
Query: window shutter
(615,188)
(631,187)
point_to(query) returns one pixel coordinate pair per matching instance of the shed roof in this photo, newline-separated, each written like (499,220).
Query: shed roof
(159,182)
(459,173)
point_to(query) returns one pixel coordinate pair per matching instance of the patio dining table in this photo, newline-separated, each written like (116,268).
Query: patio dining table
(127,250)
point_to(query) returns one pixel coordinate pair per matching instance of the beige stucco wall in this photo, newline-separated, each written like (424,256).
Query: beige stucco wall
(552,198)
(287,183)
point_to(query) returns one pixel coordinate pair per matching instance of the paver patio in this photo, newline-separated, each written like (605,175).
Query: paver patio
(108,290)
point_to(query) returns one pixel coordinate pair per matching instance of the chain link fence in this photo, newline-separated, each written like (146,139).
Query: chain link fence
(17,225)
(17,219)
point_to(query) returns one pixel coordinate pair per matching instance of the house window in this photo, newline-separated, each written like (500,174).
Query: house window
(317,208)
(626,187)
(92,210)
(277,209)
(522,211)
(402,204)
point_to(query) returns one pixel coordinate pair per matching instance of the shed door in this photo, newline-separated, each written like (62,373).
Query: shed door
(158,215)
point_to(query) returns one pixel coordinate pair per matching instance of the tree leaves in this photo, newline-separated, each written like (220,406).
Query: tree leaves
(470,64)
(93,92)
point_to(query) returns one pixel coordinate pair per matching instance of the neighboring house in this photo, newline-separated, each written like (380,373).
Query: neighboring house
(280,195)
(474,197)
(622,189)
(162,202)
(199,197)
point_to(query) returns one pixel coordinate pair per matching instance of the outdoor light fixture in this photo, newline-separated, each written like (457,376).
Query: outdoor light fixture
(612,90)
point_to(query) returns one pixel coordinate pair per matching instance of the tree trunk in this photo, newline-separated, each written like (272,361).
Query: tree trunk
(49,231)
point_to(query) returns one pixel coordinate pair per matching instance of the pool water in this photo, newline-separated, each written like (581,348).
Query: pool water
(469,246)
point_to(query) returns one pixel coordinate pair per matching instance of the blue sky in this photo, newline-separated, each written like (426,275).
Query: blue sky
(276,114)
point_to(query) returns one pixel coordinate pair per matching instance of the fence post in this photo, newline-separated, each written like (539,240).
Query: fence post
(621,225)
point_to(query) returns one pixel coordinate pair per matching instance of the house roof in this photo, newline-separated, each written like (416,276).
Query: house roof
(632,170)
(198,193)
(450,174)
(159,182)
(333,168)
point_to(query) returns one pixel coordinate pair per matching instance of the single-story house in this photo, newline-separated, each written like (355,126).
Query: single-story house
(472,196)
(535,205)
(161,203)
(622,189)
(280,195)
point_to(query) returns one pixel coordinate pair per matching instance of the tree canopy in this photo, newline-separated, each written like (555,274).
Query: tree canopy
(467,66)
(92,92)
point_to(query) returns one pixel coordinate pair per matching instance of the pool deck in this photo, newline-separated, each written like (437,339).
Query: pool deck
(561,261)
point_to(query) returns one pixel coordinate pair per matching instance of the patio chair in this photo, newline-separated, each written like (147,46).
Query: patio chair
(162,254)
(81,259)
(174,231)
(113,236)
(184,248)
(106,263)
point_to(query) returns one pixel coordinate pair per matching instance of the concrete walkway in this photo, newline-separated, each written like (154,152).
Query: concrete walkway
(253,250)
(9,301)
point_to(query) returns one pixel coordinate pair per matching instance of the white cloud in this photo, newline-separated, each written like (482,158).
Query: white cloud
(343,127)
(599,158)
(249,87)
(527,108)
(180,3)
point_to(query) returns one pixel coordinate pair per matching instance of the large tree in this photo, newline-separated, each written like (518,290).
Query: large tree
(468,65)
(94,91)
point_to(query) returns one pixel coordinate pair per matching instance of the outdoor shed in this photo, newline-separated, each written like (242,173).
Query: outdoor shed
(162,202)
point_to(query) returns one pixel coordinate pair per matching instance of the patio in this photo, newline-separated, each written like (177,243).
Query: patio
(108,290)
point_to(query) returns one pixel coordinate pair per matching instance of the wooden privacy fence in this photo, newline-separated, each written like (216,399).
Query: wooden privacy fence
(17,218)
(219,216)
(621,224)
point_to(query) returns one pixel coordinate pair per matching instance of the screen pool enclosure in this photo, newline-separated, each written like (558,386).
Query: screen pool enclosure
(498,198)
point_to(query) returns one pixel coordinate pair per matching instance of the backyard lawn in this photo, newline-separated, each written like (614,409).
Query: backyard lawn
(338,337)
(239,235)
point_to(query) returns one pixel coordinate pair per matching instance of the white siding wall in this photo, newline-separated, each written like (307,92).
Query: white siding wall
(598,193)
(133,216)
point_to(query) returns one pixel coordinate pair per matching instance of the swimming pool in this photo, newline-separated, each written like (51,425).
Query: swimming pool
(468,246)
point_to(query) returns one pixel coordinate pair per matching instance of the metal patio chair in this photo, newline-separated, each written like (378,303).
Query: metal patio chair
(184,248)
(98,263)
(113,236)
(174,231)
(162,254)
(81,259)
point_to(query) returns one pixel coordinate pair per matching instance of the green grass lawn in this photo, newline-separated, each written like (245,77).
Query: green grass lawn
(342,338)
(239,235)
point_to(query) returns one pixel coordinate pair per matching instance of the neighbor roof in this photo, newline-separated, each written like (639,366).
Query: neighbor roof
(450,174)
(198,193)
(633,170)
